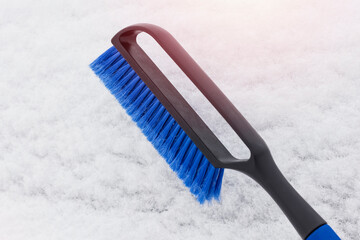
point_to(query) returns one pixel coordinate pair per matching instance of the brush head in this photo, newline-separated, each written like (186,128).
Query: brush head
(157,124)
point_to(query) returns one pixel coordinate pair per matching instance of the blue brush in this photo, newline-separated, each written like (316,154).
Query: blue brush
(183,139)
(159,126)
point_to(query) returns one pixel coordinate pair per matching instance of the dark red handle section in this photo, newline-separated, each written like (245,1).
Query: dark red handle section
(201,80)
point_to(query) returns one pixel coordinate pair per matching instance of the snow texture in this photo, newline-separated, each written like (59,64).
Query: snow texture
(74,166)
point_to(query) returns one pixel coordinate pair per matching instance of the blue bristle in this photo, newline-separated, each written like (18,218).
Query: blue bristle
(164,132)
(127,89)
(145,105)
(175,147)
(176,164)
(134,95)
(206,184)
(157,119)
(193,168)
(200,174)
(120,78)
(138,101)
(218,184)
(213,183)
(150,112)
(190,155)
(169,141)
(159,126)
(96,67)
(101,71)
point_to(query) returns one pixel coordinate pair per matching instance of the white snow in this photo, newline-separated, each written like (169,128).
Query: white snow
(74,166)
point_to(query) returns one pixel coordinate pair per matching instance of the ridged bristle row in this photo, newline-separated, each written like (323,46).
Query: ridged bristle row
(159,126)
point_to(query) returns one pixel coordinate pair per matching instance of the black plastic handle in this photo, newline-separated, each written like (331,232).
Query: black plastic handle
(261,166)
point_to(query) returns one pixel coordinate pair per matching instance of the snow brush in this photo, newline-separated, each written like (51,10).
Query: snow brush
(180,135)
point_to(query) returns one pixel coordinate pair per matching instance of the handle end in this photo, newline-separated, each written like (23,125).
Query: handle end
(324,232)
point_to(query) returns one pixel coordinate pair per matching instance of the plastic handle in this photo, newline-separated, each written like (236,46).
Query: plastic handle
(127,38)
(324,232)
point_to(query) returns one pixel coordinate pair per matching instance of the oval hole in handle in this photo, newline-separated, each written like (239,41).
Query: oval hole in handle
(222,130)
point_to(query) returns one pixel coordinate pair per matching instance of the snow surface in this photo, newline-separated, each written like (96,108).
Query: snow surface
(74,166)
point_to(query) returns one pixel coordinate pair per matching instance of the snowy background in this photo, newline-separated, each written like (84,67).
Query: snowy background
(74,166)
